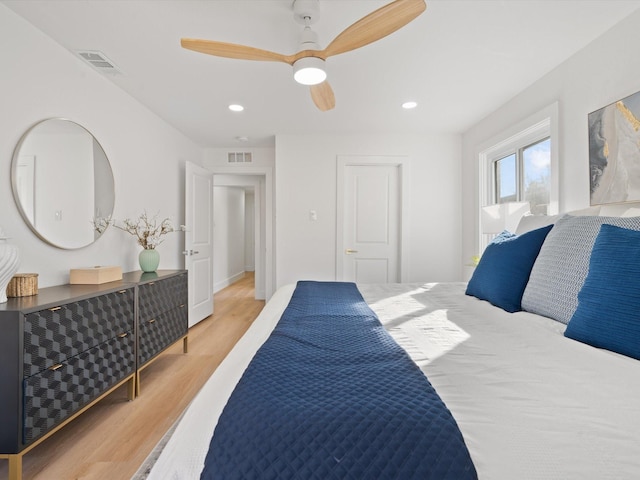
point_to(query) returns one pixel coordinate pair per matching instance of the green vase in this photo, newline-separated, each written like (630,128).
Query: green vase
(149,260)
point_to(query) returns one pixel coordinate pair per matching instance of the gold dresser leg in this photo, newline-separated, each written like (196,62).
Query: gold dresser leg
(15,467)
(185,344)
(137,383)
(132,387)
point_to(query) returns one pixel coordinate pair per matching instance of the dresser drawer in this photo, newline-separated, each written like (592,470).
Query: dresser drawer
(53,335)
(161,296)
(157,333)
(53,395)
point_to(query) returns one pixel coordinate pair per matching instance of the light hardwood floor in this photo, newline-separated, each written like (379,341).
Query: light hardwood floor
(113,438)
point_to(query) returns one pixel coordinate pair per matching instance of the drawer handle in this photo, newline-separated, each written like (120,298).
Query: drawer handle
(122,335)
(55,367)
(153,320)
(122,291)
(151,283)
(182,306)
(55,309)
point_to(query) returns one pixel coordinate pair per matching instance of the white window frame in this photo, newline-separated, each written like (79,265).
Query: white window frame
(537,127)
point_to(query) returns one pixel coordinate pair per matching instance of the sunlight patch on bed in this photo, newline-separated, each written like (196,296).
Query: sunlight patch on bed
(428,337)
(424,331)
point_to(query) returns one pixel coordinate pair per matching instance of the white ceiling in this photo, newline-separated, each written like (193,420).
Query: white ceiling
(460,60)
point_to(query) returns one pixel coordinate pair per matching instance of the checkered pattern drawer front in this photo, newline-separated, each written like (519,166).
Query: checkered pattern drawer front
(53,395)
(52,336)
(158,333)
(161,296)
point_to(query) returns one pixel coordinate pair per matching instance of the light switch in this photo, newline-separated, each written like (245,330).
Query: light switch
(313,215)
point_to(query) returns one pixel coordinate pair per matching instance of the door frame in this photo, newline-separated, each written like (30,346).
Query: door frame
(403,164)
(256,182)
(267,250)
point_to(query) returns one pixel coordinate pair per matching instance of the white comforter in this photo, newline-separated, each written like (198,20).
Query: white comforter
(530,403)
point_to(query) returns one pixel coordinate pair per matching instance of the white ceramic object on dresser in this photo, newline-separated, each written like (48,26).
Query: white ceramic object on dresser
(9,261)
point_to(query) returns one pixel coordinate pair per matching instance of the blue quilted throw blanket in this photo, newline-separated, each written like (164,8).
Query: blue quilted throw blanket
(330,395)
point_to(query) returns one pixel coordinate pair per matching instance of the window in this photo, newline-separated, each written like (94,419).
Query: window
(520,164)
(524,176)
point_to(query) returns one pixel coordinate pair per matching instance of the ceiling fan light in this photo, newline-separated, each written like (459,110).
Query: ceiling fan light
(309,71)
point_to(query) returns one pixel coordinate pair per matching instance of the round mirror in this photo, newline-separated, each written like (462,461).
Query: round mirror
(62,182)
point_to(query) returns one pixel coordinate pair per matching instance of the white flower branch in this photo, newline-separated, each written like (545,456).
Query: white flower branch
(147,230)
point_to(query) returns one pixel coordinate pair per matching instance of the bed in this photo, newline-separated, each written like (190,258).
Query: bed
(529,401)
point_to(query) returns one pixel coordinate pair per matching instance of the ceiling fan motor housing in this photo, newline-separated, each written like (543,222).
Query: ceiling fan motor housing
(309,70)
(309,40)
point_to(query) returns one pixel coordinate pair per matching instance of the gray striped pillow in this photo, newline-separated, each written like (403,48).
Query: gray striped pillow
(563,263)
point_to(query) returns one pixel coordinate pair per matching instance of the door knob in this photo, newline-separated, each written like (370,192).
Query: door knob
(349,251)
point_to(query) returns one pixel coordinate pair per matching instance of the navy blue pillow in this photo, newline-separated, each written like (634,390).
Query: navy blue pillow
(608,312)
(504,268)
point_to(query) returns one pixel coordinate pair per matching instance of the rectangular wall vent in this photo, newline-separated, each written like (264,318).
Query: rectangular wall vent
(99,61)
(239,157)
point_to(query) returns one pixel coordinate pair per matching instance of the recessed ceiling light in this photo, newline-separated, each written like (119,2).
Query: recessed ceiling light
(236,108)
(242,139)
(409,105)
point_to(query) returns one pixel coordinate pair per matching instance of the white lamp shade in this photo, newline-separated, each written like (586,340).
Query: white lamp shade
(502,216)
(309,71)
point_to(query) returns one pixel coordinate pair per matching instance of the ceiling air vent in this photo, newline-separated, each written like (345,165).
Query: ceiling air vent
(99,61)
(239,157)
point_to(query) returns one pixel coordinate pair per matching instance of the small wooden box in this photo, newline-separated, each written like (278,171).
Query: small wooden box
(23,285)
(94,275)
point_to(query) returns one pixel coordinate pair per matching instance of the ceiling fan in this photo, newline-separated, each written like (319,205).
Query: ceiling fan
(308,63)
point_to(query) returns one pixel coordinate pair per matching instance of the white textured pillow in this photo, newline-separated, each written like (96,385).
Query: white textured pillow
(620,210)
(597,210)
(562,265)
(533,222)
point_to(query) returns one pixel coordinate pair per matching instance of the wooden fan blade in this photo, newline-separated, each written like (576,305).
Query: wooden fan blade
(323,97)
(231,50)
(376,25)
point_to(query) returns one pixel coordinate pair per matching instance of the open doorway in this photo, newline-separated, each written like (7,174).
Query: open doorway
(240,231)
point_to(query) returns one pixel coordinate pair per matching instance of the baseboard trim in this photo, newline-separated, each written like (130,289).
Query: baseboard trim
(227,281)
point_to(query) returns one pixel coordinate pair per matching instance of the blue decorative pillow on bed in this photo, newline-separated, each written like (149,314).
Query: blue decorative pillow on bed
(503,271)
(608,312)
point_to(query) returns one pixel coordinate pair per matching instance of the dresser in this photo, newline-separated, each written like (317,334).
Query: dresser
(68,347)
(162,313)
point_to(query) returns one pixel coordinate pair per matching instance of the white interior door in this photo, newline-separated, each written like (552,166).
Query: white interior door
(371,224)
(199,241)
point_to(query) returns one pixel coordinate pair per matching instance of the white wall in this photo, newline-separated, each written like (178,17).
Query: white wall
(249,232)
(41,80)
(228,235)
(306,180)
(605,71)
